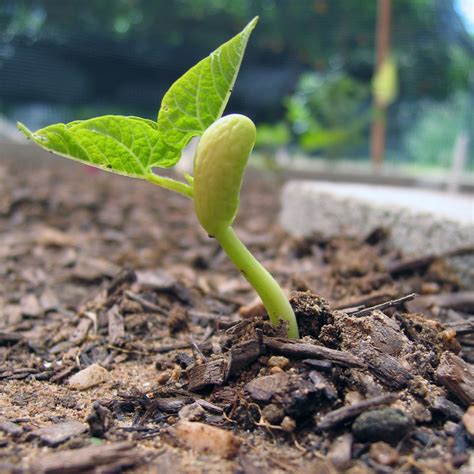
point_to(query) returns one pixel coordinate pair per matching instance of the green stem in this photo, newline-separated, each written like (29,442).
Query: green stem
(171,184)
(275,301)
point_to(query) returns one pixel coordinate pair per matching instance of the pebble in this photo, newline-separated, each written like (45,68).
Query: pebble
(163,377)
(192,412)
(340,452)
(276,370)
(89,377)
(288,424)
(207,439)
(468,420)
(278,361)
(383,453)
(386,424)
(273,414)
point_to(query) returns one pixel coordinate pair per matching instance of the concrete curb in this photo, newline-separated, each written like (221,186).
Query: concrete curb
(422,222)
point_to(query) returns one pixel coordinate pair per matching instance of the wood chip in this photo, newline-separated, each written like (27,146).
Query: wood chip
(56,434)
(48,300)
(210,373)
(303,350)
(242,355)
(457,376)
(116,325)
(102,458)
(81,331)
(264,388)
(93,269)
(30,306)
(11,428)
(155,280)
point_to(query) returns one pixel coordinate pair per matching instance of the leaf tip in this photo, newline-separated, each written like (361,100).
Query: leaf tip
(253,22)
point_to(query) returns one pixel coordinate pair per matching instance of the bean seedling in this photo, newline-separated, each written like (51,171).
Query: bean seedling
(193,106)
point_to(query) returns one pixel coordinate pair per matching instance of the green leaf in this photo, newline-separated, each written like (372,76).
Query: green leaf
(199,97)
(130,146)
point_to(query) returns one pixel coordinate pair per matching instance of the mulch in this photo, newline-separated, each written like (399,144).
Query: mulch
(129,343)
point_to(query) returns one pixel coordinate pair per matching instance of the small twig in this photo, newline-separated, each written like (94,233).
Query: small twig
(127,351)
(145,303)
(195,348)
(352,309)
(307,350)
(341,415)
(184,345)
(418,263)
(387,304)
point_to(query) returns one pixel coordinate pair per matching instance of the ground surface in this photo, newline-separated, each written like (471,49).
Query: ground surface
(115,275)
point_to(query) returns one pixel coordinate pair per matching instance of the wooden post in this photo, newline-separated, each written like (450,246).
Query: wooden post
(382,44)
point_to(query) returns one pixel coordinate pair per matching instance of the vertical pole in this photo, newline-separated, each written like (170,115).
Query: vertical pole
(382,44)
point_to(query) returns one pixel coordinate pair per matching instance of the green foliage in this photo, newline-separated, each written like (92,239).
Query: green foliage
(129,146)
(385,83)
(199,97)
(327,111)
(133,146)
(272,136)
(431,140)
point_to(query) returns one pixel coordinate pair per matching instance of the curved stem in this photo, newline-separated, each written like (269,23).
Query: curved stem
(171,184)
(272,296)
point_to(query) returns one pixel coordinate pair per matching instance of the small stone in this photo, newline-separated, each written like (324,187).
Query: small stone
(273,414)
(192,412)
(262,389)
(340,452)
(276,370)
(451,428)
(386,424)
(207,439)
(383,453)
(89,377)
(51,237)
(30,306)
(468,420)
(278,361)
(163,377)
(59,433)
(288,424)
(429,288)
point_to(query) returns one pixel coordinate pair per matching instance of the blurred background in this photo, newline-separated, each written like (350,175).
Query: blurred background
(354,85)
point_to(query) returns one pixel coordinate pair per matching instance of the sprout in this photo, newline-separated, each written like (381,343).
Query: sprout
(193,106)
(219,165)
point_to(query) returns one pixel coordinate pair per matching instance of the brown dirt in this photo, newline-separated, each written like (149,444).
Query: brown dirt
(98,269)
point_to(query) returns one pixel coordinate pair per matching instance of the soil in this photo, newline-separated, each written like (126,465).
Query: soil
(128,342)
